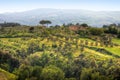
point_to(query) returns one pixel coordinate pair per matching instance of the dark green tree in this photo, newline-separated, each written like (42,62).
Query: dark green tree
(84,25)
(96,31)
(43,22)
(31,29)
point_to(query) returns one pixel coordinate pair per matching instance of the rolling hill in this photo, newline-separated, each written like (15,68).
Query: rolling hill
(60,16)
(57,53)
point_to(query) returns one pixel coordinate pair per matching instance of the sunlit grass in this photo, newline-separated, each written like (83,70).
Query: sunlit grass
(4,75)
(116,41)
(114,50)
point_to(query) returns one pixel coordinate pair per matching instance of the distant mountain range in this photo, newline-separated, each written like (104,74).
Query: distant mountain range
(60,16)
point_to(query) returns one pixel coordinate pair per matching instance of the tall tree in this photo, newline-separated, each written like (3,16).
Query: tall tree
(43,22)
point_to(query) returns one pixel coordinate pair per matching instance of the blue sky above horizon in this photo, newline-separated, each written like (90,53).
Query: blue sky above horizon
(24,5)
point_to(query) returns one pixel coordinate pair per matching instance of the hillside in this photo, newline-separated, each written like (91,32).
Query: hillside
(4,75)
(60,16)
(58,53)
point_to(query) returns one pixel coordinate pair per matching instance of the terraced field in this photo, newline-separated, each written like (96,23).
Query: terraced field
(13,44)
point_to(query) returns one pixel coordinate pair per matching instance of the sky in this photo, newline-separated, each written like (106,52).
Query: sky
(24,5)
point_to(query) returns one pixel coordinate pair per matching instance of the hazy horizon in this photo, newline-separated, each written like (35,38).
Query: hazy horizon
(58,9)
(25,5)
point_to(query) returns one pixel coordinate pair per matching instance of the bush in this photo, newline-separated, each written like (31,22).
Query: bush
(96,31)
(52,73)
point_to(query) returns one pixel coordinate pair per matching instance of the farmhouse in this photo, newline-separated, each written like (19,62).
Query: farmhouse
(77,27)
